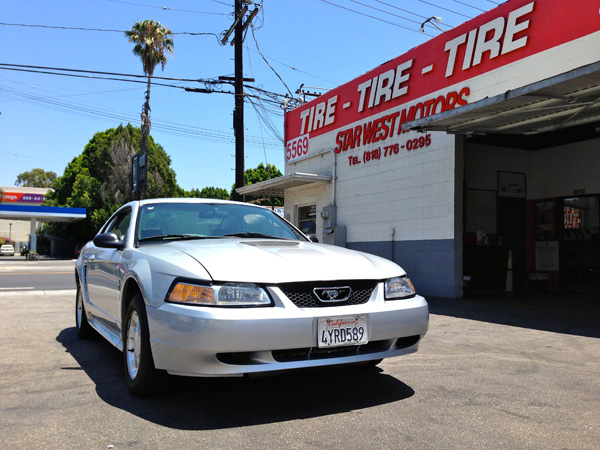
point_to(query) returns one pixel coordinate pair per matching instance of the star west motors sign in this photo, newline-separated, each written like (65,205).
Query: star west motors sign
(516,43)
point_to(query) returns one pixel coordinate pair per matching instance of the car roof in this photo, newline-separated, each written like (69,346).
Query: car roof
(194,200)
(188,200)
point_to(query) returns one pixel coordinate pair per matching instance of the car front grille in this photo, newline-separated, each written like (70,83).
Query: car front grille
(315,353)
(303,296)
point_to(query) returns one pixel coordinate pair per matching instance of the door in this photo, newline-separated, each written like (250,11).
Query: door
(103,277)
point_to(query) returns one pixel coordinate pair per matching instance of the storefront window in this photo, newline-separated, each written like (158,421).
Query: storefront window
(580,255)
(581,219)
(307,219)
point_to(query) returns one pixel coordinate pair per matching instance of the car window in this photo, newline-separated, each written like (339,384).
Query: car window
(120,224)
(265,224)
(210,220)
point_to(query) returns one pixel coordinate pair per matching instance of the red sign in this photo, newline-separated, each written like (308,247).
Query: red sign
(20,197)
(513,31)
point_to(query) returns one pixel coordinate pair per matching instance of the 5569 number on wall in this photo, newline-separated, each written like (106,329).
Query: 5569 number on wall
(296,148)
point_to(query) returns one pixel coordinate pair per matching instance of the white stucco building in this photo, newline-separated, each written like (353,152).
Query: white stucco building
(470,160)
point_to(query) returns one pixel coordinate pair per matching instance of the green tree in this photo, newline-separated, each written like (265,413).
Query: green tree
(38,178)
(152,41)
(210,192)
(261,173)
(100,180)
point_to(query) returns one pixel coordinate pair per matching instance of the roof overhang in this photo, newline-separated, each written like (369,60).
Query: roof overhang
(275,187)
(42,213)
(565,100)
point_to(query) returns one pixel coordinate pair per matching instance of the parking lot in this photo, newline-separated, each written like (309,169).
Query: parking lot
(505,373)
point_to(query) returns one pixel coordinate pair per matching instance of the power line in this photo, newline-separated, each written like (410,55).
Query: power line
(384,11)
(29,157)
(97,72)
(272,97)
(267,62)
(408,12)
(183,33)
(165,127)
(446,9)
(90,77)
(166,8)
(470,6)
(373,17)
(78,94)
(296,69)
(56,27)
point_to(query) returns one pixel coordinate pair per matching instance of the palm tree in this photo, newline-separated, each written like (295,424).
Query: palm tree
(152,42)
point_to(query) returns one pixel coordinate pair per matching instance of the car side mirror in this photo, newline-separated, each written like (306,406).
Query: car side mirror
(313,238)
(109,240)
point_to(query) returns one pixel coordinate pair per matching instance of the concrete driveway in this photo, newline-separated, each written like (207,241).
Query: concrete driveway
(491,374)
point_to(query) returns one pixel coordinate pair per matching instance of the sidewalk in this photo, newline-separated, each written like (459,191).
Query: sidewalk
(17,262)
(39,293)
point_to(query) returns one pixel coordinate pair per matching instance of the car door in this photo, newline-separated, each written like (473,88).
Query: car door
(103,276)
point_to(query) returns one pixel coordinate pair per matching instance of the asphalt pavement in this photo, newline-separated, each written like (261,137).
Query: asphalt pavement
(492,373)
(46,276)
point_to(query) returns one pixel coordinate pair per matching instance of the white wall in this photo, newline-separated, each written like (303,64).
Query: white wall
(553,172)
(412,191)
(561,170)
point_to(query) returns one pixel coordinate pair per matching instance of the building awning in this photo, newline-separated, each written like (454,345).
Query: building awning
(275,187)
(565,100)
(42,213)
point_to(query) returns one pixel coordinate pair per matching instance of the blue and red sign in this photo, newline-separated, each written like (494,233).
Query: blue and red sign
(22,197)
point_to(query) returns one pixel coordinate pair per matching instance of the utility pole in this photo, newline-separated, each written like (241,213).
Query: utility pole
(238,114)
(239,26)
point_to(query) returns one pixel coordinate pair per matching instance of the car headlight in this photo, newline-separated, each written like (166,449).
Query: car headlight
(228,294)
(398,288)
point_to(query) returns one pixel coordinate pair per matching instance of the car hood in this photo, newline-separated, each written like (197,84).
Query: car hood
(278,261)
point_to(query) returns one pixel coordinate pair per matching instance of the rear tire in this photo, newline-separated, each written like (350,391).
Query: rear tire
(82,326)
(142,377)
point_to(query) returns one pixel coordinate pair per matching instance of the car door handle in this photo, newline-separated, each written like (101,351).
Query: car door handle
(91,257)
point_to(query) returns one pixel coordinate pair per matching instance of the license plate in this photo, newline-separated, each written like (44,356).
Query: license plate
(339,331)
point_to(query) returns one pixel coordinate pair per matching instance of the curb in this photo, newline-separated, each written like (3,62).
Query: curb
(48,293)
(37,268)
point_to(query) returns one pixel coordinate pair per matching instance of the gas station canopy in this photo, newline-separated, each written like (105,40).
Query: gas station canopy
(42,213)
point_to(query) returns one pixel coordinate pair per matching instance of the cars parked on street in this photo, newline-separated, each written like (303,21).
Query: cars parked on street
(202,287)
(7,250)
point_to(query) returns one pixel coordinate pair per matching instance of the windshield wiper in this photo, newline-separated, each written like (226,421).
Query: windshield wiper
(162,237)
(252,235)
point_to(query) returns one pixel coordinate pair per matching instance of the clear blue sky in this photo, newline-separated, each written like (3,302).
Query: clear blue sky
(46,120)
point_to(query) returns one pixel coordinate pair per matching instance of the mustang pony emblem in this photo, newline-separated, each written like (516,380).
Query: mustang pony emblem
(333,294)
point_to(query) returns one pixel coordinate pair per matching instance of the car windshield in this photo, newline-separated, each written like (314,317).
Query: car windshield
(166,221)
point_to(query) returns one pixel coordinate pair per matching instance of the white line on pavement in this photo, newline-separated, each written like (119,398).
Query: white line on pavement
(46,293)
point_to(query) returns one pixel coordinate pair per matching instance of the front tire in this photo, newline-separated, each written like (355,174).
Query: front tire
(140,374)
(82,326)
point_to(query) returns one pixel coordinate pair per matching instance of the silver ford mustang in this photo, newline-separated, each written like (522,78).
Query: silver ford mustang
(215,288)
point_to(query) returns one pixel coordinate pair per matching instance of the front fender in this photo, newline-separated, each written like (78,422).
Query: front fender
(152,284)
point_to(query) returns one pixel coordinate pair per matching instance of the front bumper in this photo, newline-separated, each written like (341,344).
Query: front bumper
(203,341)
